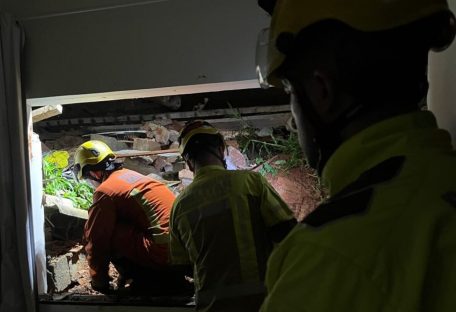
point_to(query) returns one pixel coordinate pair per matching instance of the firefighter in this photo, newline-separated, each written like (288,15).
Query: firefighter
(385,240)
(224,224)
(128,220)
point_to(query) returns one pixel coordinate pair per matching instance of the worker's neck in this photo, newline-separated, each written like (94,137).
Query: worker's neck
(212,161)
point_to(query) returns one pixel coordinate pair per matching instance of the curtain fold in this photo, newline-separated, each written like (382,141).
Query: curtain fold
(16,270)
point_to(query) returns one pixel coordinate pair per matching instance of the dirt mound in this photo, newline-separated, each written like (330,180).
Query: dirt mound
(299,188)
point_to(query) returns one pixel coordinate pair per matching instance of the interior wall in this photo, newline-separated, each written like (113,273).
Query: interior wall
(93,46)
(442,78)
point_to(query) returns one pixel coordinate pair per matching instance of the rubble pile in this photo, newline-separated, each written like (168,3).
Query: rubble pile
(153,151)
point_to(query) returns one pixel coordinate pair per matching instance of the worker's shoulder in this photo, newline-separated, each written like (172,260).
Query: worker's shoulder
(247,175)
(246,179)
(433,179)
(123,180)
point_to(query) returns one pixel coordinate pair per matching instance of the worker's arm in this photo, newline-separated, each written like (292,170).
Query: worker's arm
(178,250)
(98,232)
(277,215)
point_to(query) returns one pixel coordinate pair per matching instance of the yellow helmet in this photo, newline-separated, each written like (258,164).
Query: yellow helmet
(193,128)
(291,16)
(91,153)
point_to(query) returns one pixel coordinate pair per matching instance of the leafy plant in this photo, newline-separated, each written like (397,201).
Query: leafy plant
(266,168)
(55,183)
(292,149)
(255,148)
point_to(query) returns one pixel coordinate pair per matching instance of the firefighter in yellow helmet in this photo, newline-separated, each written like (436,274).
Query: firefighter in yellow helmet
(385,240)
(127,225)
(224,224)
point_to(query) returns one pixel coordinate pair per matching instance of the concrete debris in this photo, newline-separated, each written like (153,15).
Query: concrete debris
(186,177)
(173,135)
(65,142)
(173,102)
(62,205)
(63,220)
(66,223)
(185,174)
(63,270)
(229,135)
(143,165)
(171,159)
(163,122)
(174,145)
(264,132)
(157,132)
(236,158)
(160,163)
(178,166)
(146,145)
(232,143)
(113,143)
(168,168)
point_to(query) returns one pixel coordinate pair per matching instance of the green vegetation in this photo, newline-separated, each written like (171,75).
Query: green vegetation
(263,151)
(286,147)
(55,183)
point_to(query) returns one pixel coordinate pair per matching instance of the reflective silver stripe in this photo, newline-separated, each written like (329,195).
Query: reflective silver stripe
(245,242)
(193,252)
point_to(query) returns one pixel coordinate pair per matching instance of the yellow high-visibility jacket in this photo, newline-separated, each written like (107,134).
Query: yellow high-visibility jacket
(386,238)
(220,224)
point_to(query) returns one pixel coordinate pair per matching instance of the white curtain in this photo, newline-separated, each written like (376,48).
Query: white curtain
(16,287)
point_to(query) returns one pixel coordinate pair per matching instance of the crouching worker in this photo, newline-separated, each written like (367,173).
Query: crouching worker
(128,223)
(224,224)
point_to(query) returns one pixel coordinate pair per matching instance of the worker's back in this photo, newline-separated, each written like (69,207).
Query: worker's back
(139,200)
(220,225)
(129,217)
(386,239)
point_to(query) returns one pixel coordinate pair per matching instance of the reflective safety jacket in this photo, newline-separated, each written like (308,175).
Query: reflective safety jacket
(220,225)
(386,238)
(129,218)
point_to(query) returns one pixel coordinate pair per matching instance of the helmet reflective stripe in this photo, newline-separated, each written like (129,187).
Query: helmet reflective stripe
(374,15)
(90,153)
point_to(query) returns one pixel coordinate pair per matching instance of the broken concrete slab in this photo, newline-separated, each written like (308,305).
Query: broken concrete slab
(160,163)
(143,165)
(236,158)
(140,144)
(264,132)
(168,168)
(65,142)
(159,133)
(62,205)
(113,143)
(178,166)
(63,270)
(186,177)
(174,145)
(173,135)
(66,222)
